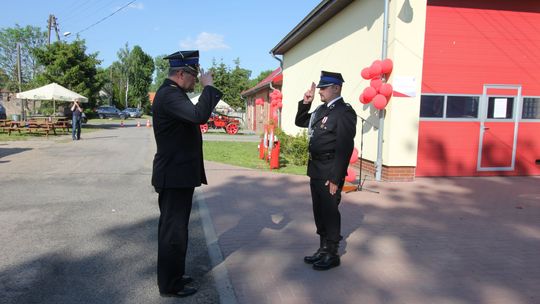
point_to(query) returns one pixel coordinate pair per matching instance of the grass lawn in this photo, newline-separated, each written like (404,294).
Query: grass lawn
(244,154)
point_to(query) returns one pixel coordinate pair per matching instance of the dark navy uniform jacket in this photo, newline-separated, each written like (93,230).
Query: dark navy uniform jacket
(332,141)
(178,162)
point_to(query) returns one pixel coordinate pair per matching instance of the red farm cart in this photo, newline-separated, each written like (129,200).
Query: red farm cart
(221,121)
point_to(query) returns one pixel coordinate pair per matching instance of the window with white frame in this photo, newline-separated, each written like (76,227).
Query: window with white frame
(531,108)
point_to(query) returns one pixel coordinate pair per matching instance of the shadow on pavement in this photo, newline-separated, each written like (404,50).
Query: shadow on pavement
(122,272)
(9,151)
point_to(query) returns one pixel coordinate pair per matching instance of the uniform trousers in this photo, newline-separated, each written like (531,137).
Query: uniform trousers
(325,210)
(175,208)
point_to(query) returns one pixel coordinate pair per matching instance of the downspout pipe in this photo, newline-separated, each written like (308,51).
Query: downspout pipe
(272,87)
(380,137)
(280,67)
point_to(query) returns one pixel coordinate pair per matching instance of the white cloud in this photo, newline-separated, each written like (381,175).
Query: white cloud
(205,42)
(136,5)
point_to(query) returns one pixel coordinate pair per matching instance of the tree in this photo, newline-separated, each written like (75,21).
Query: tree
(231,82)
(131,77)
(140,77)
(68,65)
(29,38)
(262,75)
(162,71)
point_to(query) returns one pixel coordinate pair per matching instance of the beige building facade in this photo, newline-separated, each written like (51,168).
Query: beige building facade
(345,37)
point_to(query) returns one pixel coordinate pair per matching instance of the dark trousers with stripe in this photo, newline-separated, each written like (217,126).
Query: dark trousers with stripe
(175,208)
(325,210)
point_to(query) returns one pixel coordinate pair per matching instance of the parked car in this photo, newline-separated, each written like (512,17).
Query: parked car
(110,111)
(133,112)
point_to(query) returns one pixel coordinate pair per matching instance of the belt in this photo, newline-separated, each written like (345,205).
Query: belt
(321,156)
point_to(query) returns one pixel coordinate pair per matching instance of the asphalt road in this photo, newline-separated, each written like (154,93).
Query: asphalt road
(78,222)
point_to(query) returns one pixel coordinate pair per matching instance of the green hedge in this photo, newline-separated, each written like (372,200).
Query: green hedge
(294,149)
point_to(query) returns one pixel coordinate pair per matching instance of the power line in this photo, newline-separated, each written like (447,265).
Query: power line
(103,19)
(81,12)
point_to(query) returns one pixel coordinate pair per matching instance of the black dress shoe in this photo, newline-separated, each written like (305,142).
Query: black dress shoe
(186,279)
(328,261)
(185,292)
(310,259)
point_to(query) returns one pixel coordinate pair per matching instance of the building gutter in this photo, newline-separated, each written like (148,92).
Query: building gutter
(317,17)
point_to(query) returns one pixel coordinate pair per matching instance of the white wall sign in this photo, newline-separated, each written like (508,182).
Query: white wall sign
(499,108)
(404,86)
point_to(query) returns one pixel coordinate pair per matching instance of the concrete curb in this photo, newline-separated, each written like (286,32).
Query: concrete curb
(219,270)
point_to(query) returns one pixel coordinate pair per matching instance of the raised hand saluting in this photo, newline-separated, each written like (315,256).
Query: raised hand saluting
(310,94)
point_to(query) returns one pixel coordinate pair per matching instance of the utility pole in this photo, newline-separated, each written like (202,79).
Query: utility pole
(127,89)
(19,73)
(52,24)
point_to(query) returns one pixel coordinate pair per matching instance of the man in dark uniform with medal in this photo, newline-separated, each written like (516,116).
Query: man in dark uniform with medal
(178,164)
(332,127)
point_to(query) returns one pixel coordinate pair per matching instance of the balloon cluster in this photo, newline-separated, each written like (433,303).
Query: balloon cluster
(259,101)
(275,104)
(378,91)
(351,174)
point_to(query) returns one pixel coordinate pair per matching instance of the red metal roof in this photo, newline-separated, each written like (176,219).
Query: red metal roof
(276,78)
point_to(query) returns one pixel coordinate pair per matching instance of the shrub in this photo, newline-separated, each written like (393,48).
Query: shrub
(294,149)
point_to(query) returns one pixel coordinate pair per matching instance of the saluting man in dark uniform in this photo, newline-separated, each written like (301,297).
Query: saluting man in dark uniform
(332,127)
(178,163)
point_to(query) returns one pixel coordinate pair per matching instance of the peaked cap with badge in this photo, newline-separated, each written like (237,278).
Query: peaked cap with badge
(330,78)
(189,59)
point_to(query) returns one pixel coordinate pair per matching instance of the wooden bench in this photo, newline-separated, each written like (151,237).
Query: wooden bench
(41,126)
(63,123)
(33,126)
(5,124)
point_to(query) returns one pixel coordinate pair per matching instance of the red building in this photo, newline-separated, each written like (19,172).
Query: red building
(259,115)
(480,105)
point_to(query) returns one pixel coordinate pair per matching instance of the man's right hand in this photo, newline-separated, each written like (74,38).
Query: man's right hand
(206,78)
(310,94)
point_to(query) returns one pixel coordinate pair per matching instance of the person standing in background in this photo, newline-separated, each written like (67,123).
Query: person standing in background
(76,121)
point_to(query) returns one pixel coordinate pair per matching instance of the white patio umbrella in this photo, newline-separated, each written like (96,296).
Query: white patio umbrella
(52,92)
(221,105)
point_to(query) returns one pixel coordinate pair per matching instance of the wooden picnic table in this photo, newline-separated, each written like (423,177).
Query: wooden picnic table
(63,123)
(32,126)
(5,124)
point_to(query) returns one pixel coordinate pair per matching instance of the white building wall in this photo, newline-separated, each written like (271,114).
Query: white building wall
(347,43)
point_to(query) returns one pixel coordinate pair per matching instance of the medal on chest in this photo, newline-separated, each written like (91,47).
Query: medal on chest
(323,122)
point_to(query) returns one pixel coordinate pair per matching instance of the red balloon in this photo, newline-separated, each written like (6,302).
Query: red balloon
(354,156)
(376,83)
(369,93)
(386,89)
(351,175)
(363,100)
(366,74)
(380,101)
(279,105)
(387,65)
(375,69)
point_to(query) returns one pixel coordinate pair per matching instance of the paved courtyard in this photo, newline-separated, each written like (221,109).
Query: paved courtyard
(78,224)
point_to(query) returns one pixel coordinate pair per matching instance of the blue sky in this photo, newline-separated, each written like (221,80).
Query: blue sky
(220,29)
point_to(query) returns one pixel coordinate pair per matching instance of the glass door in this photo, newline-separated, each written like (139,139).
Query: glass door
(499,116)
